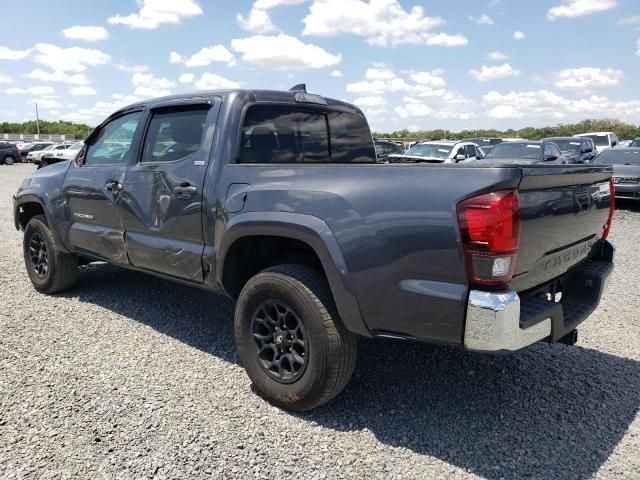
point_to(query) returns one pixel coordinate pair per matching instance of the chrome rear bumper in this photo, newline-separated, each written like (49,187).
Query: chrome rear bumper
(493,323)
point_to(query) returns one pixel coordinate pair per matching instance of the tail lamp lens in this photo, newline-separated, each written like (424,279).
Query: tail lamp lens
(490,230)
(612,208)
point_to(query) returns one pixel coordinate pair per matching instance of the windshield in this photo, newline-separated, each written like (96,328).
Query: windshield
(430,150)
(530,151)
(76,146)
(568,146)
(635,143)
(50,147)
(617,156)
(599,140)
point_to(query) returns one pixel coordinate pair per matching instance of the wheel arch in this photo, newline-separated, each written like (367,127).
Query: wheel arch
(28,205)
(294,229)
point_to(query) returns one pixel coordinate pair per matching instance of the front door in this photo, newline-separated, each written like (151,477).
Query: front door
(91,190)
(161,199)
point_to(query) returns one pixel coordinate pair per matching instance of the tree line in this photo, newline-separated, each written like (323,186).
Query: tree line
(624,131)
(60,127)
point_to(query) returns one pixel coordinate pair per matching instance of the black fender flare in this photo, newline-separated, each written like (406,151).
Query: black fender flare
(315,233)
(32,197)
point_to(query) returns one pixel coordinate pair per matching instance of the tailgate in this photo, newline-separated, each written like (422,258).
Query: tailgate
(564,210)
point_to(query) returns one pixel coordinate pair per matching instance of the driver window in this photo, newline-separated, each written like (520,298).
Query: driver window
(112,146)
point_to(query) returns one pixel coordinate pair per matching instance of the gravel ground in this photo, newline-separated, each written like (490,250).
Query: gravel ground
(130,376)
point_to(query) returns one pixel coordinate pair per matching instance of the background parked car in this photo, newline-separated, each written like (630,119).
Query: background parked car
(483,141)
(33,147)
(384,148)
(439,152)
(626,170)
(602,140)
(525,152)
(9,153)
(56,156)
(35,155)
(575,149)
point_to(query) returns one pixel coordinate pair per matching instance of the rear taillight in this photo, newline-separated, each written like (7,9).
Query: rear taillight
(612,208)
(490,231)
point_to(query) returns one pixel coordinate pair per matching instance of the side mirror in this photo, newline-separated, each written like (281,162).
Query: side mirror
(79,161)
(479,156)
(551,158)
(461,156)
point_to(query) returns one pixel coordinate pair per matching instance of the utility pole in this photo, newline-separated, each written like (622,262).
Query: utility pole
(37,121)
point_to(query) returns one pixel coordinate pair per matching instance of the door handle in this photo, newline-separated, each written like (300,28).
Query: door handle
(185,190)
(113,186)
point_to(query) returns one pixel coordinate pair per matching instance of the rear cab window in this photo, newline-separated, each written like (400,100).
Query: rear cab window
(300,134)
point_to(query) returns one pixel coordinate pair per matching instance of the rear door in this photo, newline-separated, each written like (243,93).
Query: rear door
(161,199)
(91,189)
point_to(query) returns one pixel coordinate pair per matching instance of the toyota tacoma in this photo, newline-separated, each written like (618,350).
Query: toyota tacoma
(276,200)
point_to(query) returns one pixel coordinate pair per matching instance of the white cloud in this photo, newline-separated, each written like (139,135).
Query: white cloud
(336,73)
(433,79)
(518,35)
(638,47)
(549,105)
(446,40)
(497,55)
(58,76)
(370,101)
(186,78)
(483,19)
(380,22)
(283,52)
(148,85)
(497,72)
(46,103)
(87,33)
(258,21)
(153,13)
(204,57)
(633,21)
(125,67)
(578,8)
(268,4)
(502,112)
(41,90)
(381,72)
(5,79)
(82,91)
(585,79)
(74,59)
(210,81)
(375,87)
(15,91)
(8,54)
(413,110)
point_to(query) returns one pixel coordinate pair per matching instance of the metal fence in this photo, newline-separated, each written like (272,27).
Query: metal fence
(29,137)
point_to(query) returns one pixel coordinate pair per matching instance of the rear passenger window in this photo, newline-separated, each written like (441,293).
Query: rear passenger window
(290,134)
(174,134)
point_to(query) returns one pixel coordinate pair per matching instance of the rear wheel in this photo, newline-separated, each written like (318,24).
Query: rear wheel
(49,269)
(9,160)
(290,340)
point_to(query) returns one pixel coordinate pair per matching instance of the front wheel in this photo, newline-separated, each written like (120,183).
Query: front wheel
(290,340)
(49,269)
(9,160)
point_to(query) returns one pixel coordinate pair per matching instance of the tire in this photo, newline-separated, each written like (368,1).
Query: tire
(330,351)
(42,164)
(61,270)
(9,160)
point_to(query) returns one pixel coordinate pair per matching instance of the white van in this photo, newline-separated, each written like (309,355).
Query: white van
(602,140)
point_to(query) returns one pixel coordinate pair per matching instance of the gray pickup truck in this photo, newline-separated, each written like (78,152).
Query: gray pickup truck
(276,199)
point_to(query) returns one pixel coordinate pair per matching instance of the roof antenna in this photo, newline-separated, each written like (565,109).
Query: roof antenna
(301,87)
